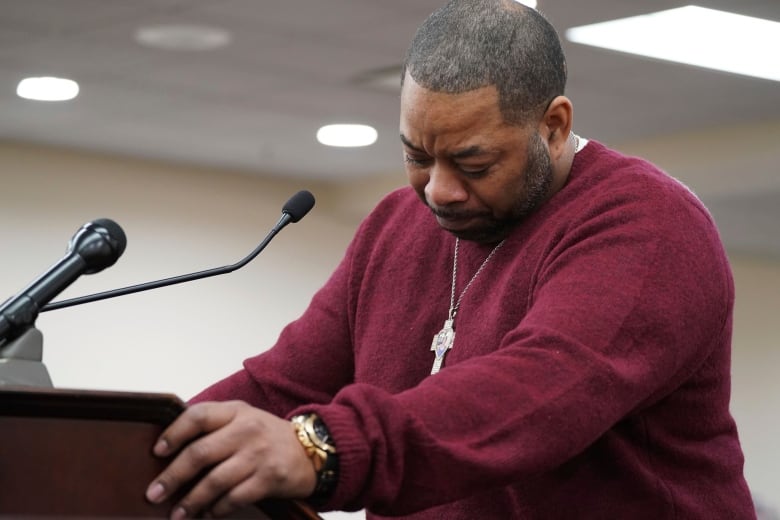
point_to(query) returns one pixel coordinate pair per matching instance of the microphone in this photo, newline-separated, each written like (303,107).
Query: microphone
(294,210)
(95,246)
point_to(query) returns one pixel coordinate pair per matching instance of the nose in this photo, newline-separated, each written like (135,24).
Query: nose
(444,187)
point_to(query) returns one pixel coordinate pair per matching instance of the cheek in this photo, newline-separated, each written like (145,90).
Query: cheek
(417,179)
(500,197)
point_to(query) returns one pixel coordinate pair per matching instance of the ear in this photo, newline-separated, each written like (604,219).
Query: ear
(555,126)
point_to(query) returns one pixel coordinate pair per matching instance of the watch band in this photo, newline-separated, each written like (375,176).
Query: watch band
(318,444)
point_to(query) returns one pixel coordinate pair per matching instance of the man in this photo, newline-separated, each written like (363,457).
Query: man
(547,336)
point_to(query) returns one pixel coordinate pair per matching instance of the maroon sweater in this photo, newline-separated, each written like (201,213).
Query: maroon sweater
(589,376)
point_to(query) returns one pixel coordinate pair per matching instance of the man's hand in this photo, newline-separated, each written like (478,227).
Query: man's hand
(240,455)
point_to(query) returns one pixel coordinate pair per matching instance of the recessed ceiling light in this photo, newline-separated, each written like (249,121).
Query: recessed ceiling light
(692,35)
(47,88)
(347,135)
(183,37)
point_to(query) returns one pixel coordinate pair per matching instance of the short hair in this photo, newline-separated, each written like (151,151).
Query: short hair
(469,44)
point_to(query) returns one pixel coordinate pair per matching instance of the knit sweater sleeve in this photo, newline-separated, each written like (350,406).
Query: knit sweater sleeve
(629,298)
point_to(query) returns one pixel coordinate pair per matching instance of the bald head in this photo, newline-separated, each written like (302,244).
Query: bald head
(468,44)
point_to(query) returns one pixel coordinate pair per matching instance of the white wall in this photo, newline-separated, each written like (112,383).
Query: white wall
(174,339)
(178,220)
(756,373)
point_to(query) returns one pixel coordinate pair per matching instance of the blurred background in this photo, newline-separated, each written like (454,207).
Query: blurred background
(196,120)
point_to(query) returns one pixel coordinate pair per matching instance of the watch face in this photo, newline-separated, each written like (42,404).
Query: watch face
(321,431)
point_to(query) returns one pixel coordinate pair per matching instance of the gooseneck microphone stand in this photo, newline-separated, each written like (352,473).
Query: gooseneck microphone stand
(95,246)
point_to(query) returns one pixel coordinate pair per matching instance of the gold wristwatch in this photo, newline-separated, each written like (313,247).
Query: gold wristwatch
(316,441)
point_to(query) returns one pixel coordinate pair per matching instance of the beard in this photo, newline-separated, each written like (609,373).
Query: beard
(532,189)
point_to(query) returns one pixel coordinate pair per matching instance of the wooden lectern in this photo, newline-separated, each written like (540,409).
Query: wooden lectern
(87,454)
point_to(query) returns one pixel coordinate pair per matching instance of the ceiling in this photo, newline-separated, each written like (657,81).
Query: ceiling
(291,66)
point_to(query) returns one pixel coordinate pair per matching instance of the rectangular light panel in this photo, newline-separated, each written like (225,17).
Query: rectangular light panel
(695,36)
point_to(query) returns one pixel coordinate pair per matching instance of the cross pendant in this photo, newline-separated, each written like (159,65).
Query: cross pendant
(442,342)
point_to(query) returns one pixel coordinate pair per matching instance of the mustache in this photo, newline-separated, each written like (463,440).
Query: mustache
(455,214)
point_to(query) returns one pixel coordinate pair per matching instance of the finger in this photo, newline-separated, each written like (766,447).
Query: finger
(227,488)
(194,421)
(239,498)
(195,458)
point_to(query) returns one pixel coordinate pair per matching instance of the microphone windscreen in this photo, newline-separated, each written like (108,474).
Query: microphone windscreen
(299,205)
(115,232)
(99,243)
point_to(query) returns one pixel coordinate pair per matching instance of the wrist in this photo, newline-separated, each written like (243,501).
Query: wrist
(321,451)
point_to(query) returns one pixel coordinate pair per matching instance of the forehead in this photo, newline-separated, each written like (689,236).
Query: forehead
(468,123)
(426,110)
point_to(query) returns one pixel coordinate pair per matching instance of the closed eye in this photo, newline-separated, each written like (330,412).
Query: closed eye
(473,172)
(415,161)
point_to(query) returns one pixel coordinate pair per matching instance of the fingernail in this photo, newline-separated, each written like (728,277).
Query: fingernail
(161,448)
(179,514)
(155,492)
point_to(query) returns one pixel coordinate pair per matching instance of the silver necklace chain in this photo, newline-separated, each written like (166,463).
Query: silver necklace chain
(445,338)
(453,304)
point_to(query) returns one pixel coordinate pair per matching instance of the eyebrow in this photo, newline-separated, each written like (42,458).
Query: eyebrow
(471,151)
(409,144)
